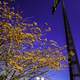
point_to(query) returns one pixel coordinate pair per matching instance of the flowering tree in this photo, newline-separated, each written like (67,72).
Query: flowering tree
(18,51)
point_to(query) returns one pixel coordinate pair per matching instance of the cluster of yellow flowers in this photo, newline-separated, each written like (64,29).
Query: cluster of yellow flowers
(18,61)
(17,35)
(15,65)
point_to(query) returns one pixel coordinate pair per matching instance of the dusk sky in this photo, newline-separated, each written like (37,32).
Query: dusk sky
(41,9)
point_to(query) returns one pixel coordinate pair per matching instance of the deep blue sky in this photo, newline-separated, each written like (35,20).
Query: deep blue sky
(42,9)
